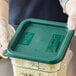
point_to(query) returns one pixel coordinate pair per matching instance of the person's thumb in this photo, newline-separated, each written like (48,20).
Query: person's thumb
(3,46)
(71,23)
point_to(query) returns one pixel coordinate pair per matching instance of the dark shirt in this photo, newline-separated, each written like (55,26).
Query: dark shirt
(39,9)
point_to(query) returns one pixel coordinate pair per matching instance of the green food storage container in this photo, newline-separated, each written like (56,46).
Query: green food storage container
(40,45)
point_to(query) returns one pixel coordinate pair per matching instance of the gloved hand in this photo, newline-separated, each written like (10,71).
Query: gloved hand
(70,9)
(5,35)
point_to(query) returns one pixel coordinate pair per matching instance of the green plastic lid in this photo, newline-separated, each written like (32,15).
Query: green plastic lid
(40,41)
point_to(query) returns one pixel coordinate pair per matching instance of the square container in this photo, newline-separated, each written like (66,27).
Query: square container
(39,45)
